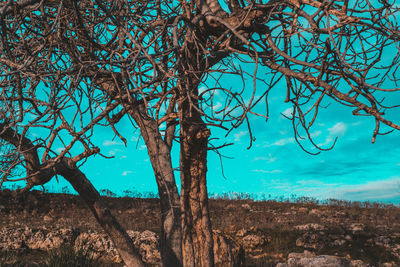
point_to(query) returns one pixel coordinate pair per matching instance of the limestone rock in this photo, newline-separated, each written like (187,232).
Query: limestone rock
(47,218)
(47,240)
(310,240)
(41,239)
(148,244)
(252,241)
(247,207)
(308,259)
(310,226)
(241,232)
(356,227)
(227,252)
(99,244)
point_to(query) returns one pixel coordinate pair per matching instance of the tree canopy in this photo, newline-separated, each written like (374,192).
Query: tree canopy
(68,67)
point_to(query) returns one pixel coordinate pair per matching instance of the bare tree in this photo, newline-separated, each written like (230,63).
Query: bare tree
(38,92)
(10,161)
(152,58)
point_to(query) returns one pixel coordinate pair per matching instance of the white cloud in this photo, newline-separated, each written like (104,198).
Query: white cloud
(239,135)
(356,123)
(125,173)
(134,138)
(290,140)
(142,147)
(202,89)
(260,158)
(328,142)
(288,112)
(235,112)
(315,134)
(59,149)
(217,106)
(214,91)
(265,171)
(373,190)
(338,129)
(112,143)
(114,152)
(123,157)
(268,159)
(281,142)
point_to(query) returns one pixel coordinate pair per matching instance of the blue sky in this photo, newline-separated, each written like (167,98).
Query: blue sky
(354,169)
(275,165)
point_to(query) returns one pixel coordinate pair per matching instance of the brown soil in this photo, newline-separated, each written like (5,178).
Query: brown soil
(281,224)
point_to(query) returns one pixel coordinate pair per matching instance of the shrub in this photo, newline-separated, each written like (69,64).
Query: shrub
(68,256)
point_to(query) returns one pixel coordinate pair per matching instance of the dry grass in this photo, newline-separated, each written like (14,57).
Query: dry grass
(271,218)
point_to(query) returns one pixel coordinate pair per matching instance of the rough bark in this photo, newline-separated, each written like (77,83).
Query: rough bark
(159,151)
(160,156)
(197,241)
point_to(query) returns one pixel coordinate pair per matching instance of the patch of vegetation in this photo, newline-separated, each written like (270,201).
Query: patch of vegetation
(20,259)
(60,257)
(276,220)
(281,242)
(68,256)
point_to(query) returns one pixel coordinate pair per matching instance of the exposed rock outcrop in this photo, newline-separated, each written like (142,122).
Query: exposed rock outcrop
(227,252)
(27,238)
(308,259)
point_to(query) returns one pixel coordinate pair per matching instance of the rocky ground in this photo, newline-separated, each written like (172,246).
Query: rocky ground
(265,233)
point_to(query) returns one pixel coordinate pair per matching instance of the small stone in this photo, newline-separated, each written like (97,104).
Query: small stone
(246,207)
(357,263)
(356,227)
(241,232)
(314,212)
(303,210)
(348,237)
(253,241)
(117,259)
(309,226)
(339,242)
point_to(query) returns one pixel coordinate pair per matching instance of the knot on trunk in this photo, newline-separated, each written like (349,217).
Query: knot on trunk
(203,133)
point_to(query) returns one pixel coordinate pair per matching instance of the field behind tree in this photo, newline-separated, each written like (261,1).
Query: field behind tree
(267,230)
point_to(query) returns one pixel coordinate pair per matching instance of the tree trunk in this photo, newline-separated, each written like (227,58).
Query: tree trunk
(197,239)
(160,157)
(121,240)
(159,151)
